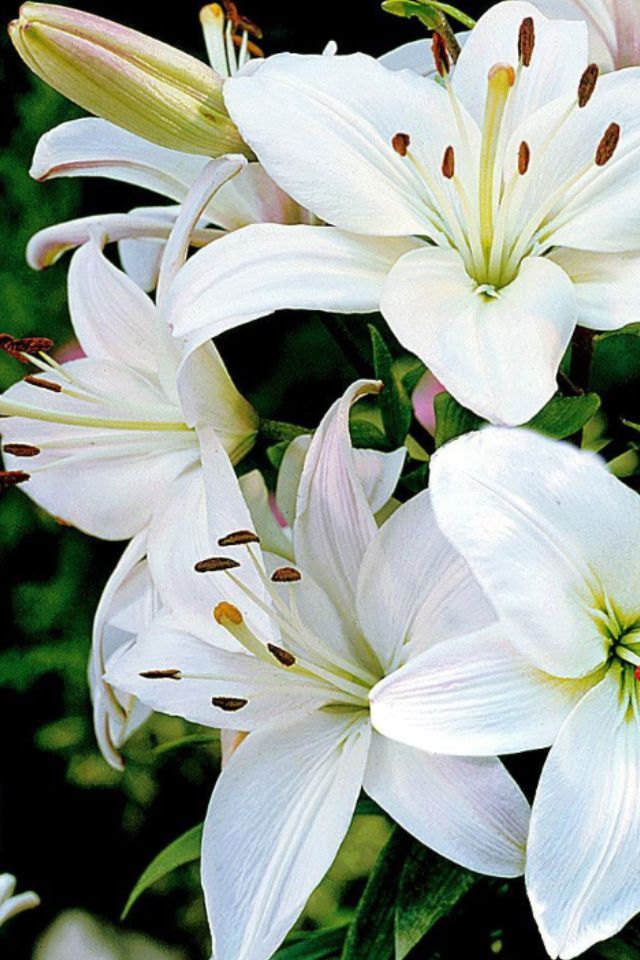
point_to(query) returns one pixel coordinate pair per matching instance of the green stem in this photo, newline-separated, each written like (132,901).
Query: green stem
(275,431)
(449,37)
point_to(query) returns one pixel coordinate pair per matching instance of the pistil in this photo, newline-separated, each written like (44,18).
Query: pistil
(500,81)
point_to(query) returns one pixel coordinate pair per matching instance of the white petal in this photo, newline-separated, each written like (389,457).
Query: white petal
(559,57)
(473,696)
(253,197)
(466,809)
(297,788)
(334,522)
(104,480)
(267,267)
(323,127)
(273,536)
(582,875)
(289,476)
(91,147)
(126,607)
(547,531)
(597,16)
(414,589)
(48,245)
(113,318)
(498,355)
(209,671)
(607,286)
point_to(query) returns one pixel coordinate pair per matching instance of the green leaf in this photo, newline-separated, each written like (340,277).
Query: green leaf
(320,945)
(412,377)
(275,453)
(191,740)
(365,434)
(371,932)
(564,416)
(452,419)
(395,404)
(616,360)
(428,12)
(626,946)
(429,888)
(184,850)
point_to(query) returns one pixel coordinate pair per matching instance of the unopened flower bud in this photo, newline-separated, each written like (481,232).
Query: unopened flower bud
(134,81)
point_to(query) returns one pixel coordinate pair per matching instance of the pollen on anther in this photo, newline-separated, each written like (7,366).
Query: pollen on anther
(440,54)
(213,564)
(526,40)
(401,143)
(608,144)
(21,449)
(449,163)
(21,347)
(282,656)
(524,156)
(286,575)
(169,674)
(11,478)
(587,84)
(227,611)
(43,384)
(229,704)
(238,538)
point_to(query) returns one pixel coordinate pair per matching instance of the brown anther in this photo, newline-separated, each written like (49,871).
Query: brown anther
(227,611)
(213,564)
(526,40)
(239,21)
(587,84)
(44,384)
(21,450)
(440,54)
(282,656)
(449,163)
(21,347)
(238,538)
(608,144)
(286,575)
(10,478)
(524,156)
(169,674)
(400,143)
(229,704)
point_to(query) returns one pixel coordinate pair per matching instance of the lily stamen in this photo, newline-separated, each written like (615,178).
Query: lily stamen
(21,450)
(526,41)
(229,704)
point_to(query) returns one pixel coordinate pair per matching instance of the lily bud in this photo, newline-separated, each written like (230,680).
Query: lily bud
(134,81)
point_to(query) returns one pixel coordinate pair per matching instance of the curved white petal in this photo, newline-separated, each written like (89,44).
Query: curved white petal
(112,317)
(104,479)
(153,224)
(297,786)
(466,809)
(334,522)
(414,589)
(253,197)
(207,671)
(91,147)
(597,14)
(497,354)
(559,57)
(548,532)
(607,286)
(473,696)
(127,606)
(273,537)
(267,267)
(323,128)
(582,875)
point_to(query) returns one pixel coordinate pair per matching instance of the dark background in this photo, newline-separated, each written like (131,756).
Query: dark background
(71,829)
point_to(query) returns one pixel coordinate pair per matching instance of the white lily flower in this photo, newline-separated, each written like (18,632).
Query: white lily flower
(311,643)
(614,28)
(553,538)
(10,903)
(76,935)
(520,159)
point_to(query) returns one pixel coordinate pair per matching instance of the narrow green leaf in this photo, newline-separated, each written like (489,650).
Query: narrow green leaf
(319,945)
(366,434)
(412,377)
(371,932)
(427,12)
(185,849)
(564,416)
(395,404)
(452,419)
(192,740)
(429,888)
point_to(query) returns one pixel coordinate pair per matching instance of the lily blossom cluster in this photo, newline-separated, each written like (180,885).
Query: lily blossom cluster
(344,626)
